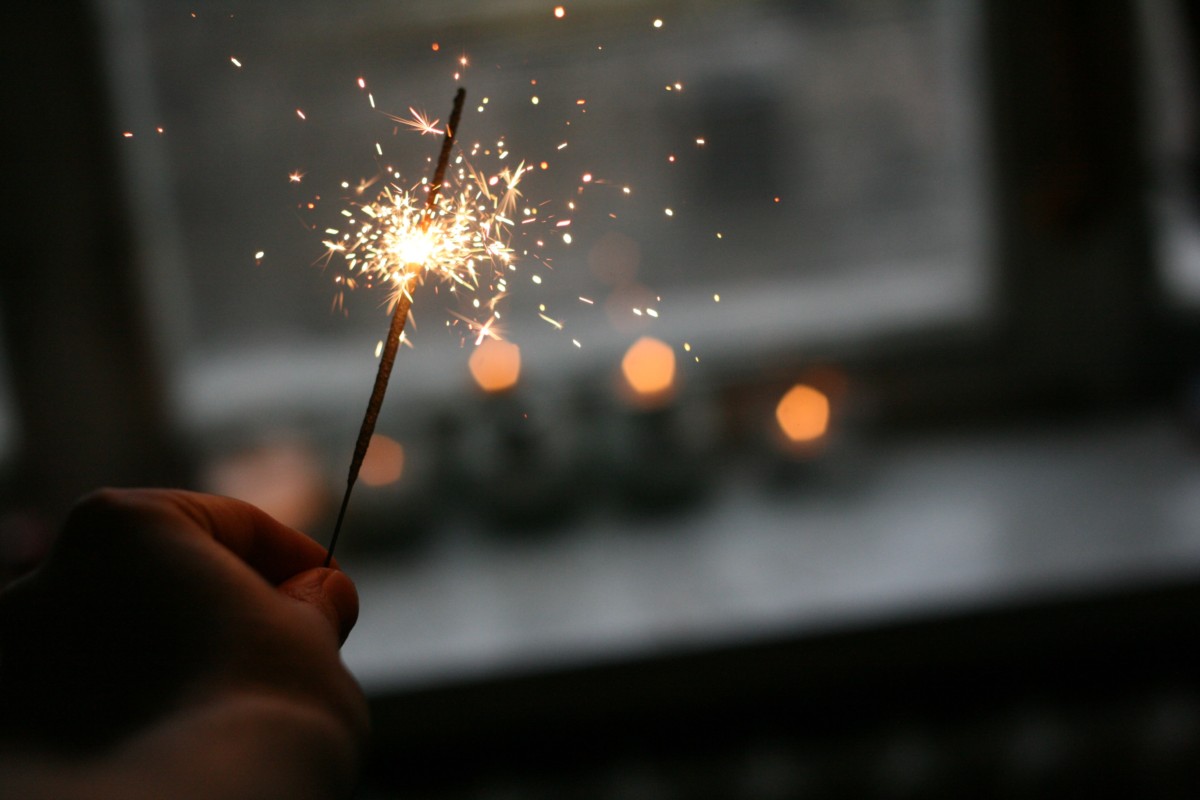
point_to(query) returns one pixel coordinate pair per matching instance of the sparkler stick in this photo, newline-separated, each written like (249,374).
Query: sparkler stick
(399,318)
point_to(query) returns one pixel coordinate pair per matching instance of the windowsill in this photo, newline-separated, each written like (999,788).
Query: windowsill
(913,528)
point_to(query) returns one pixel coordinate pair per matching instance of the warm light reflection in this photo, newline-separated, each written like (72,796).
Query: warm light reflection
(803,414)
(649,366)
(495,365)
(384,462)
(284,478)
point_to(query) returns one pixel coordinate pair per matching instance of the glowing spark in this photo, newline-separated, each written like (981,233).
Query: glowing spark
(296,177)
(658,23)
(487,330)
(235,62)
(419,122)
(300,114)
(559,12)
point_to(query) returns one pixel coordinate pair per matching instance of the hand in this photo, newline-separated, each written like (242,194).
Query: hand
(178,645)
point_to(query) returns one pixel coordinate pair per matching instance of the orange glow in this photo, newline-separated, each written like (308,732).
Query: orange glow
(803,414)
(384,462)
(495,365)
(649,366)
(284,478)
(560,12)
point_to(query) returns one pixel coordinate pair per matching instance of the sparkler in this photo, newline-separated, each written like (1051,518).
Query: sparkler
(409,249)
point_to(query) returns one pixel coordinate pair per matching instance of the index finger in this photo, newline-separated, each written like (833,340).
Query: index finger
(274,550)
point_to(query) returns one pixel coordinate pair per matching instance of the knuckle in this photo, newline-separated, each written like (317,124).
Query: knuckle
(104,515)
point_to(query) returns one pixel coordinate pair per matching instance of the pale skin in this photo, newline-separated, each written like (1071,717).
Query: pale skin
(178,645)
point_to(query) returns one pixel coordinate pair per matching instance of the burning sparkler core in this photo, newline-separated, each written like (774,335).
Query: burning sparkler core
(459,234)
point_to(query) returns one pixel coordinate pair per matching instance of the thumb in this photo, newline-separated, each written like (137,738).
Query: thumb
(331,592)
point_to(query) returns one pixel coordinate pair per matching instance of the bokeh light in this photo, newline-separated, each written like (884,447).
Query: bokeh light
(649,367)
(384,462)
(283,478)
(495,365)
(803,414)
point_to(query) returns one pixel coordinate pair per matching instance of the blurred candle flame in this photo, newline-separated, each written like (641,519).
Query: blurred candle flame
(284,478)
(495,365)
(803,414)
(383,463)
(649,367)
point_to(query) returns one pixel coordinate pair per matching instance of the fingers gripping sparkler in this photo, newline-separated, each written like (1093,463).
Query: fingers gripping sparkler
(399,318)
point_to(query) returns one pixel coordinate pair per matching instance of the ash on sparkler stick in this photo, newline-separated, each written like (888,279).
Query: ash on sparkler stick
(399,318)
